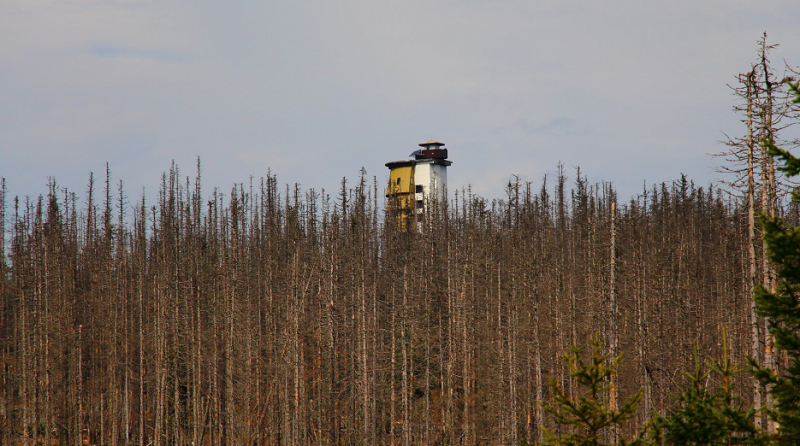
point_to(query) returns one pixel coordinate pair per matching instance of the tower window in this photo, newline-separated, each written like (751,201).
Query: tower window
(419,188)
(420,204)
(398,181)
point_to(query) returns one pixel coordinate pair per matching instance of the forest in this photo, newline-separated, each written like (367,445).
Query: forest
(266,314)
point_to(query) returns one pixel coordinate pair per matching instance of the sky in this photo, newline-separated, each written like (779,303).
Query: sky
(631,92)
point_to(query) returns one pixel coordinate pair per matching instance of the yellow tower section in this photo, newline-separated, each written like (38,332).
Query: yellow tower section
(400,191)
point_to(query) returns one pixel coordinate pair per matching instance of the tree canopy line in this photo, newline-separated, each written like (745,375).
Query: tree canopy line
(273,315)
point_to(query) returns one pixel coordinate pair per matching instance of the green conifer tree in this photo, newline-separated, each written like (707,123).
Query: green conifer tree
(710,416)
(782,309)
(590,414)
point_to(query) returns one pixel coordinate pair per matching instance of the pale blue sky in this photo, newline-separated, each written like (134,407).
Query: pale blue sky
(631,91)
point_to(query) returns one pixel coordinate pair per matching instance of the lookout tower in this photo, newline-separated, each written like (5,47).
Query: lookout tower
(416,182)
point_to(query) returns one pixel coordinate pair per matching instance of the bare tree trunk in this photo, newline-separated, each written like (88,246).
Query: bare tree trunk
(447,396)
(501,432)
(334,404)
(25,365)
(512,372)
(427,434)
(539,380)
(612,403)
(365,385)
(751,252)
(406,372)
(229,437)
(393,371)
(641,325)
(79,389)
(768,194)
(466,431)
(141,360)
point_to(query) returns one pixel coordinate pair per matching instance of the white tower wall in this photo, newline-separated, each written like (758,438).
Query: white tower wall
(430,178)
(435,179)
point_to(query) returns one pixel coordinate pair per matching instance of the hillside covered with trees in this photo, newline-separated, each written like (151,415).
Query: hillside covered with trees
(278,316)
(272,315)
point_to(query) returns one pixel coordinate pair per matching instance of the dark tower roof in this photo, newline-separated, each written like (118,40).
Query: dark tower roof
(431,150)
(431,144)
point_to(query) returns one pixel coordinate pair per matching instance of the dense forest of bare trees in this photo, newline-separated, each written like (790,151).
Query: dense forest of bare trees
(272,315)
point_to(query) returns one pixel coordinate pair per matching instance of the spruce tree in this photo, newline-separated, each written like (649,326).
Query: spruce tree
(707,416)
(782,309)
(590,414)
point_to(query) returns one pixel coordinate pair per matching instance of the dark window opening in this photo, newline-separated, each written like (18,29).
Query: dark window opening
(420,204)
(398,181)
(419,188)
